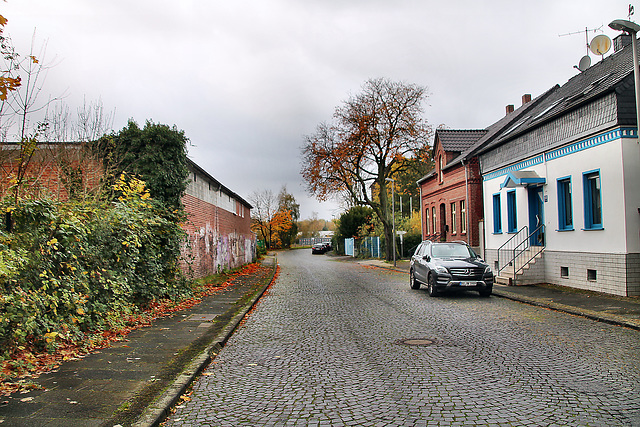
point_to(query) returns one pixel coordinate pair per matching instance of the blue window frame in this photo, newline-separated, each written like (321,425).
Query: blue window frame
(512,213)
(565,204)
(497,216)
(592,200)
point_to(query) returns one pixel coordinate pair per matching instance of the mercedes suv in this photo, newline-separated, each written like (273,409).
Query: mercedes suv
(451,266)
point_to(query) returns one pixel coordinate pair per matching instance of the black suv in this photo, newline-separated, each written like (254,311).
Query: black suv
(449,266)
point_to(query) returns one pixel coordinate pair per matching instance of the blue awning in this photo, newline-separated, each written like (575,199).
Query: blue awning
(523,179)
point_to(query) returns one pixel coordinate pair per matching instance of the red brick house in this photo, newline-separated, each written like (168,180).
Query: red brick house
(451,195)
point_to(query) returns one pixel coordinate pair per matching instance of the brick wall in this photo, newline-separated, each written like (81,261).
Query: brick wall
(44,175)
(218,228)
(217,238)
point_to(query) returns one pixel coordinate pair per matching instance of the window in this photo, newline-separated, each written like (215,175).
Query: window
(427,223)
(565,210)
(564,272)
(433,217)
(592,275)
(512,217)
(441,176)
(497,217)
(424,249)
(454,228)
(592,201)
(463,217)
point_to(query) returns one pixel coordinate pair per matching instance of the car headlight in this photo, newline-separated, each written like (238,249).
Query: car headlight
(488,270)
(441,269)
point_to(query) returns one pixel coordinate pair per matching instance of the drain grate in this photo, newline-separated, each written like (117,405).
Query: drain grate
(419,342)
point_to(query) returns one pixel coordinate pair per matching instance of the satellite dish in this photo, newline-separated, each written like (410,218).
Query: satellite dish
(584,63)
(600,44)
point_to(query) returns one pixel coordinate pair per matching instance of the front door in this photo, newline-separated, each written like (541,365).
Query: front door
(536,215)
(443,223)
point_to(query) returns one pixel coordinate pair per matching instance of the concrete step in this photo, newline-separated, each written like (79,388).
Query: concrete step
(506,275)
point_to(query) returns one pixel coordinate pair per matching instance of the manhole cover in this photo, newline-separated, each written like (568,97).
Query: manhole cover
(416,341)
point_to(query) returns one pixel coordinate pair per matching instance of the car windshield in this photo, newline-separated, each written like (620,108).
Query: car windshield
(444,250)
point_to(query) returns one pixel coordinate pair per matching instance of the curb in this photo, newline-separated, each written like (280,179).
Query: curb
(160,408)
(611,319)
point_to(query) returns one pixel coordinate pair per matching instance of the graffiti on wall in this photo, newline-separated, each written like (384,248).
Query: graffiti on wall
(206,251)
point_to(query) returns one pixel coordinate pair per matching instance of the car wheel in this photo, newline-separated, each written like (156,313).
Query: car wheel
(486,292)
(412,280)
(433,290)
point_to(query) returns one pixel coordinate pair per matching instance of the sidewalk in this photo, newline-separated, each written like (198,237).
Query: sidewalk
(134,382)
(622,311)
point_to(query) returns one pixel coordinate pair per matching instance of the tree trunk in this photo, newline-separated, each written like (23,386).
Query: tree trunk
(386,216)
(388,235)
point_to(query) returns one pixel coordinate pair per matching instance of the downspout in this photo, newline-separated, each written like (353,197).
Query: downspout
(421,218)
(466,202)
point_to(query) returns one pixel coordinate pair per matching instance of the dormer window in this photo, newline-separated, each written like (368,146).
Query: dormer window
(440,174)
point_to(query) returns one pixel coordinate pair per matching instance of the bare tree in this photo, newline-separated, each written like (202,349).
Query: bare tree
(90,122)
(21,115)
(69,142)
(265,206)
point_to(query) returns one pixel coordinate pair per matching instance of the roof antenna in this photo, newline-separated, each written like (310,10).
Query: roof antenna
(585,61)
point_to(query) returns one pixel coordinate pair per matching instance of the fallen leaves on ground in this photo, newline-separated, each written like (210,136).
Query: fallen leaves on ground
(27,363)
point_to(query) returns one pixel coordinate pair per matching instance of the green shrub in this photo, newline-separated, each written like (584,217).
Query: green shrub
(67,269)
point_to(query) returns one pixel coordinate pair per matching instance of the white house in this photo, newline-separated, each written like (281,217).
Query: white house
(561,184)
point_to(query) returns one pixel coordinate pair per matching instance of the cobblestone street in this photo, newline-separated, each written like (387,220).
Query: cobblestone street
(330,345)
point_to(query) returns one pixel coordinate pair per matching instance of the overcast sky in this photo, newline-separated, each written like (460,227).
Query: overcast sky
(247,79)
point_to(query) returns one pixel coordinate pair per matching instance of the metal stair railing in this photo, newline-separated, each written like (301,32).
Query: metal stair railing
(537,232)
(508,248)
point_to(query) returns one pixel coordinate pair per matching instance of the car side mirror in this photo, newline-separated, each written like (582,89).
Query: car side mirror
(426,258)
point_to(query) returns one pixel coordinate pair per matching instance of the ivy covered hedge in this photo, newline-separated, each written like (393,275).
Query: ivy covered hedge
(76,268)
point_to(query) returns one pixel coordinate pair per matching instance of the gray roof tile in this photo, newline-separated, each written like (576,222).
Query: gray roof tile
(458,140)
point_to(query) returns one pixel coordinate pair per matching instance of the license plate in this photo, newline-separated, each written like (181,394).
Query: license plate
(468,283)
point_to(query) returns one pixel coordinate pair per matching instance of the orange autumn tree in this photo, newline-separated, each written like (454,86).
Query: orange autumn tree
(367,145)
(279,224)
(269,218)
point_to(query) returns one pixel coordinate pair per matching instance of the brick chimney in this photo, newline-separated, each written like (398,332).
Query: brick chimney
(620,42)
(526,98)
(510,108)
